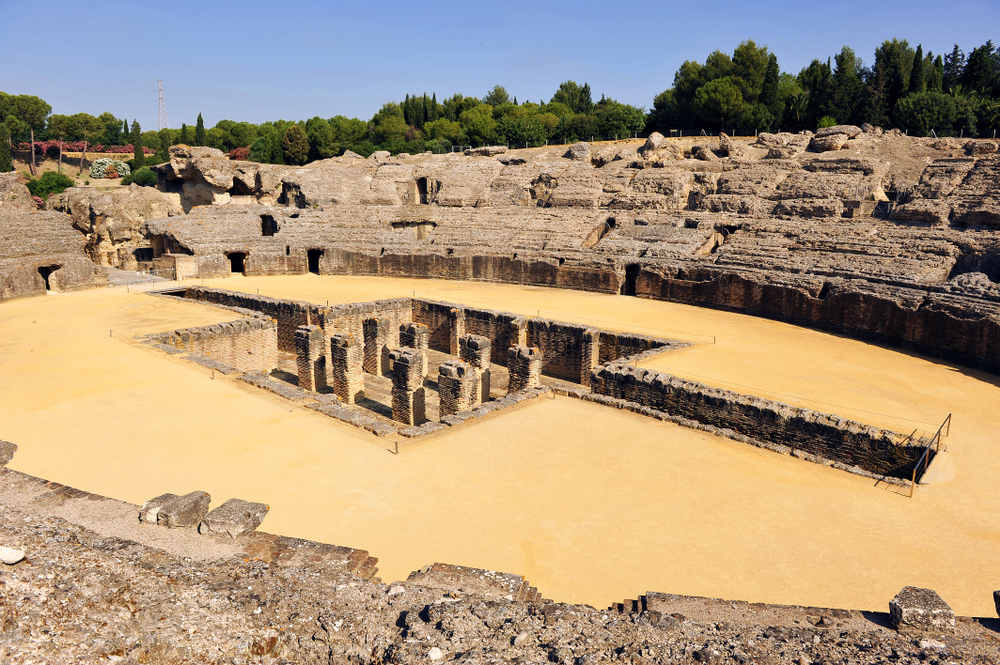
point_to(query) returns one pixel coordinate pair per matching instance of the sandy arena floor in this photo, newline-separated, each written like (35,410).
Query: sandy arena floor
(590,504)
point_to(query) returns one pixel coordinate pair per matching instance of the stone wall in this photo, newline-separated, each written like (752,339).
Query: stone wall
(964,332)
(249,345)
(851,443)
(289,314)
(568,351)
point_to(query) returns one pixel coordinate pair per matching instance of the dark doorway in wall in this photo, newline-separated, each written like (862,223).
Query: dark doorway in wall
(268,225)
(422,190)
(313,256)
(628,286)
(45,272)
(159,245)
(237,262)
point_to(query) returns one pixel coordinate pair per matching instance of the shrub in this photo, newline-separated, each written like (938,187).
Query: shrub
(51,182)
(240,154)
(100,167)
(38,201)
(143,177)
(826,121)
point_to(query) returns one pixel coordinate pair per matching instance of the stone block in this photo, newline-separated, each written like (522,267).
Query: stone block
(378,338)
(176,512)
(458,387)
(415,336)
(233,518)
(407,386)
(310,355)
(347,368)
(7,450)
(524,365)
(996,601)
(920,610)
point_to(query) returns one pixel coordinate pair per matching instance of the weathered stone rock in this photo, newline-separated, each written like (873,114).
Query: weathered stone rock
(980,148)
(871,129)
(511,160)
(13,194)
(486,151)
(350,154)
(704,154)
(850,130)
(7,450)
(828,142)
(11,555)
(176,512)
(920,610)
(729,147)
(579,151)
(233,518)
(996,601)
(380,155)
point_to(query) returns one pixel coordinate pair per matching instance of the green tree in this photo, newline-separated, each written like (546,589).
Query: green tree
(918,81)
(846,87)
(718,100)
(954,67)
(497,96)
(295,146)
(750,64)
(139,157)
(922,112)
(817,81)
(31,112)
(520,131)
(575,97)
(185,137)
(6,164)
(935,83)
(478,124)
(388,127)
(112,129)
(769,96)
(616,120)
(199,132)
(163,155)
(982,70)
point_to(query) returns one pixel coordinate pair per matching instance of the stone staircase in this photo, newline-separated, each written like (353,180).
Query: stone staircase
(475,581)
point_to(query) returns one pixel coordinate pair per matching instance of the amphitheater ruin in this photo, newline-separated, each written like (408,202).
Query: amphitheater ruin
(672,371)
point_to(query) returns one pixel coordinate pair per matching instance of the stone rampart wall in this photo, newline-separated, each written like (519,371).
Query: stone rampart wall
(616,345)
(249,345)
(565,348)
(915,319)
(851,443)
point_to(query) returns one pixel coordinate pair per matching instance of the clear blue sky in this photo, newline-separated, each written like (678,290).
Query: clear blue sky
(293,60)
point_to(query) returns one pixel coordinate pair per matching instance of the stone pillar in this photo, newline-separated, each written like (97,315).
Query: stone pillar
(347,368)
(519,332)
(379,338)
(457,387)
(589,354)
(456,318)
(524,363)
(415,336)
(475,350)
(407,386)
(310,351)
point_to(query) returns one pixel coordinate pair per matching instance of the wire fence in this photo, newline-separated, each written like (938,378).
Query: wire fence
(920,468)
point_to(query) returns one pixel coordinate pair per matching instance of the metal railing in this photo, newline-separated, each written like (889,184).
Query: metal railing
(924,460)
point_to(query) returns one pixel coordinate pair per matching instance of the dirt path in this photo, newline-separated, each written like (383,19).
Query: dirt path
(590,504)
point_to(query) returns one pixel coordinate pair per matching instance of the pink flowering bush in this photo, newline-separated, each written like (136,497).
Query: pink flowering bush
(39,201)
(240,154)
(52,147)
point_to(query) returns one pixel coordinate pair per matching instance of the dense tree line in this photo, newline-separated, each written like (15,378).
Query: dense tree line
(904,87)
(744,92)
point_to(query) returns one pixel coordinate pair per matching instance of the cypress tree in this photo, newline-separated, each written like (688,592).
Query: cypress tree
(139,157)
(199,132)
(917,81)
(936,81)
(6,164)
(185,137)
(126,132)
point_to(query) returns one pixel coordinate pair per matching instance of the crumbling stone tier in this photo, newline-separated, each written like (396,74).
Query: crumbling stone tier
(253,597)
